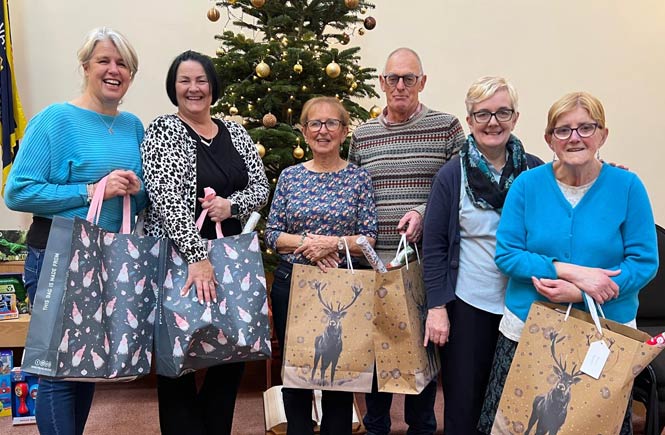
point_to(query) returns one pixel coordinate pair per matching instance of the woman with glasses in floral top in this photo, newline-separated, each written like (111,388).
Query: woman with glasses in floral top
(319,207)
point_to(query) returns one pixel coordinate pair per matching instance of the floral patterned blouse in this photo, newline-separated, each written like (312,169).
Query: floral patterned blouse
(326,203)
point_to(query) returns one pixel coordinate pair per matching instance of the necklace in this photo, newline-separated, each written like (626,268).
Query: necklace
(206,142)
(108,127)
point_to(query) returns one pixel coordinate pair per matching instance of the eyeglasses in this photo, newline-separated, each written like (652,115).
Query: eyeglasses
(501,115)
(583,130)
(408,79)
(331,124)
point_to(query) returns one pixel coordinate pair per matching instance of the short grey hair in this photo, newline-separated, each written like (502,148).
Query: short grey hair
(407,50)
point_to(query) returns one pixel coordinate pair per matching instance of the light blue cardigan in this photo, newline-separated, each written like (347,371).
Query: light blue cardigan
(612,227)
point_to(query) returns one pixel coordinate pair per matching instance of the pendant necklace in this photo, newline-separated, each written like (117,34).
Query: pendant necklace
(206,142)
(108,127)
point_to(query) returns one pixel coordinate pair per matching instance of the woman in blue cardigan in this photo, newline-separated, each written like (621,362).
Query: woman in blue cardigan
(571,226)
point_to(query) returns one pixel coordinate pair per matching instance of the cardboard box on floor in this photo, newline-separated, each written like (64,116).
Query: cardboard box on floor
(275,416)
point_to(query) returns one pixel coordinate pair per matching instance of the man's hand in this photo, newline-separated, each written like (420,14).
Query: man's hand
(411,225)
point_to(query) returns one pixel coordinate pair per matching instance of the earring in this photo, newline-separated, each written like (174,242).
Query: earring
(554,157)
(598,154)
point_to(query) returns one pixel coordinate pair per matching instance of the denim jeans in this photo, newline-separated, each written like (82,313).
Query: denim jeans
(32,269)
(62,406)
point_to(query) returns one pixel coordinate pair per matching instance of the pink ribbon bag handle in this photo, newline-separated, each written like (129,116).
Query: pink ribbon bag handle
(95,210)
(210,194)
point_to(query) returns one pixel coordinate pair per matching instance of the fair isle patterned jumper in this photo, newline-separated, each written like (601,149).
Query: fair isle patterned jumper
(402,159)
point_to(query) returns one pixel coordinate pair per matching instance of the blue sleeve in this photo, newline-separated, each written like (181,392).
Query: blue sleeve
(436,242)
(367,224)
(277,222)
(512,256)
(640,262)
(29,188)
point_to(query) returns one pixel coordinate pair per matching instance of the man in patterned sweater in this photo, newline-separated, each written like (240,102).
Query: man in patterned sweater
(403,148)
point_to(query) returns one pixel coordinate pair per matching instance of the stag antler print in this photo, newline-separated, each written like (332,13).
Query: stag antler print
(328,346)
(550,409)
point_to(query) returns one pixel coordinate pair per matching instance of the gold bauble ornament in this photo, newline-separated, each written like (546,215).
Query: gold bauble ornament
(361,32)
(233,110)
(374,112)
(297,68)
(258,3)
(261,149)
(262,70)
(351,4)
(220,52)
(269,120)
(213,14)
(354,85)
(349,78)
(298,152)
(345,39)
(333,70)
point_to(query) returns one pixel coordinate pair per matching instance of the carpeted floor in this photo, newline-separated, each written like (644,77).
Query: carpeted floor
(131,409)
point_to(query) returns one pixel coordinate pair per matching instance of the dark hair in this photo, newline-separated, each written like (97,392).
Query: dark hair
(208,67)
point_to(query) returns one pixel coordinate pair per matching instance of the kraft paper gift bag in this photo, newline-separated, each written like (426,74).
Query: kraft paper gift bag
(191,336)
(95,304)
(329,343)
(546,392)
(403,364)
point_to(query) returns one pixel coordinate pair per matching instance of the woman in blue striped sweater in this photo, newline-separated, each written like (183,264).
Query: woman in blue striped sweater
(68,147)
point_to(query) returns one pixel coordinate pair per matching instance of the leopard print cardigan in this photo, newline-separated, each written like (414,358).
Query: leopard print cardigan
(168,154)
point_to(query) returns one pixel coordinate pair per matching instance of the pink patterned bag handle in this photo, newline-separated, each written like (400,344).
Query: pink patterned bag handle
(95,210)
(210,194)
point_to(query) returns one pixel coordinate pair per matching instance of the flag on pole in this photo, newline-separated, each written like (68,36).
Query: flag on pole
(12,120)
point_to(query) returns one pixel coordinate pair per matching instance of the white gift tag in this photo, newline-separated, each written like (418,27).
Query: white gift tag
(595,359)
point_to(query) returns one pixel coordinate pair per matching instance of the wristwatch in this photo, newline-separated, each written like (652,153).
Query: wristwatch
(235,209)
(340,244)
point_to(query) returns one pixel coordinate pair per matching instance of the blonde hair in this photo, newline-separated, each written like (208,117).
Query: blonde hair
(121,43)
(569,102)
(331,101)
(486,87)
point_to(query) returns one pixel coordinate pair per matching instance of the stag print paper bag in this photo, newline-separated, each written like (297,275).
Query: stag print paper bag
(546,392)
(329,330)
(95,306)
(191,336)
(403,365)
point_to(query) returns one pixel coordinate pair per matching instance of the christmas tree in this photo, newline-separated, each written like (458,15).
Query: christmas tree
(284,53)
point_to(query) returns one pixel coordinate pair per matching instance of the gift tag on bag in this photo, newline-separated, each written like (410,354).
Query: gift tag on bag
(595,359)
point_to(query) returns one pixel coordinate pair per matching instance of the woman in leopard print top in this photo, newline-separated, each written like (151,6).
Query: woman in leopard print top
(182,154)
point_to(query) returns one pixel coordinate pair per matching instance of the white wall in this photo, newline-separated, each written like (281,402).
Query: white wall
(612,48)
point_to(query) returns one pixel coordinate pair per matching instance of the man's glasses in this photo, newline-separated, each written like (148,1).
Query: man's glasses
(331,124)
(501,115)
(583,130)
(408,79)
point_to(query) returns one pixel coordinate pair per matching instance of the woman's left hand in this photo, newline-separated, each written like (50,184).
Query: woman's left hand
(218,208)
(557,290)
(315,247)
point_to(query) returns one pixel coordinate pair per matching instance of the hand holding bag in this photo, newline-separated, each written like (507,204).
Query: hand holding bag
(95,303)
(190,335)
(328,343)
